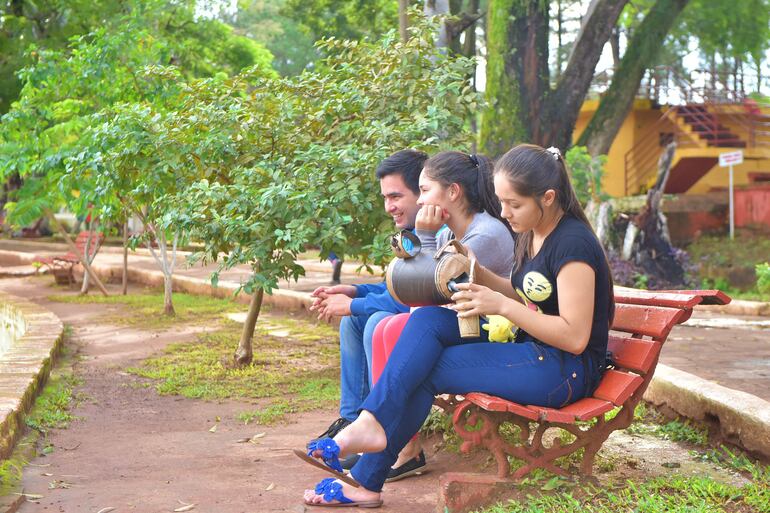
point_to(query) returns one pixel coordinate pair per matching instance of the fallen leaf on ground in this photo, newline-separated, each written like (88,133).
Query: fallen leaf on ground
(259,435)
(270,487)
(106,510)
(213,429)
(243,440)
(185,508)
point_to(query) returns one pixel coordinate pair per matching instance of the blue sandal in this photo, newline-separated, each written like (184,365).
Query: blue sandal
(331,490)
(330,453)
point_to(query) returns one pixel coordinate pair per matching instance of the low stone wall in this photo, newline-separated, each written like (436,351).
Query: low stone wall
(25,365)
(742,418)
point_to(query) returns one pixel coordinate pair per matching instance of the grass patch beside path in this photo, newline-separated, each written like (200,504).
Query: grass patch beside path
(145,310)
(670,494)
(298,370)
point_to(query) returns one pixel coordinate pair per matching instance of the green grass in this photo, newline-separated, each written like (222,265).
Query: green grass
(145,310)
(717,256)
(52,407)
(11,469)
(298,372)
(672,494)
(649,421)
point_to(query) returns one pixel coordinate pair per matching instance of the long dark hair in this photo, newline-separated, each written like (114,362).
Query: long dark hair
(532,170)
(473,173)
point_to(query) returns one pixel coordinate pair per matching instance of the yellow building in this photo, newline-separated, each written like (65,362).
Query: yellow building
(701,131)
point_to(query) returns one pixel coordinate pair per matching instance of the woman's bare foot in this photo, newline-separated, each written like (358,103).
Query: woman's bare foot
(365,434)
(352,493)
(410,451)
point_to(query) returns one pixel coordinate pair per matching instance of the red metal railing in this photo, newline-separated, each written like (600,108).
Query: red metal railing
(715,119)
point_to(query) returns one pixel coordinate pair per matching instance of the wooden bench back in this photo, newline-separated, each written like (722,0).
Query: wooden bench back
(641,325)
(96,241)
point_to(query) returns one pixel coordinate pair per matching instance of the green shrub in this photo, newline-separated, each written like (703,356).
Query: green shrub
(586,173)
(763,277)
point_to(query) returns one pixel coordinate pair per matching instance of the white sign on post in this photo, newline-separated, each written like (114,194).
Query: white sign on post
(730,159)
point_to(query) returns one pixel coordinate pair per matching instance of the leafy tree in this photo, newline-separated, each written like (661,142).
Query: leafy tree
(106,78)
(296,156)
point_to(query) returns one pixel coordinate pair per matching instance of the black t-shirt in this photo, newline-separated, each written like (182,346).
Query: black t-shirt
(535,281)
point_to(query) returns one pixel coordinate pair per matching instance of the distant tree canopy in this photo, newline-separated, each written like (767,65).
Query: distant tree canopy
(199,46)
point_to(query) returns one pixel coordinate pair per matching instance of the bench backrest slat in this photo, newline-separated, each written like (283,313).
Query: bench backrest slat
(93,247)
(652,321)
(670,299)
(617,386)
(634,353)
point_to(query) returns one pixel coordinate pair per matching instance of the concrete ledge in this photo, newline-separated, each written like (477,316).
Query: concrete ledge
(289,300)
(742,417)
(25,366)
(739,307)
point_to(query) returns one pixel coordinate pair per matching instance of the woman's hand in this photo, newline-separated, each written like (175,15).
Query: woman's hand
(430,218)
(475,299)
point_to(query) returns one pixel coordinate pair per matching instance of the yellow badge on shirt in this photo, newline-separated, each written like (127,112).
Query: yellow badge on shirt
(537,287)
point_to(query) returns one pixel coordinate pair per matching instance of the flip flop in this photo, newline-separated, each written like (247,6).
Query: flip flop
(330,452)
(332,491)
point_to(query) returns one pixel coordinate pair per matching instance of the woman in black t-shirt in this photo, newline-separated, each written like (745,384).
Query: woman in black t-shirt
(561,281)
(559,295)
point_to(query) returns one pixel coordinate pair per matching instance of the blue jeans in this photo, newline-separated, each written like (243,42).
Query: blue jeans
(356,360)
(430,358)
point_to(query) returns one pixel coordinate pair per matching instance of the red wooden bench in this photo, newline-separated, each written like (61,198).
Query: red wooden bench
(87,243)
(642,323)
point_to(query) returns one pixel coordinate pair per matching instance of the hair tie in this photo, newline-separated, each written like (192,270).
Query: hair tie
(474,159)
(553,150)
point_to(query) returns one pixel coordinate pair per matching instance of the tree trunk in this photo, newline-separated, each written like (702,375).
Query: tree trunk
(615,45)
(244,353)
(125,257)
(165,263)
(168,304)
(75,251)
(403,20)
(554,123)
(653,251)
(87,256)
(521,105)
(469,45)
(440,8)
(517,72)
(642,50)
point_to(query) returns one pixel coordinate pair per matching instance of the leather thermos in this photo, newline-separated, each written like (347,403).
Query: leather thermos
(416,278)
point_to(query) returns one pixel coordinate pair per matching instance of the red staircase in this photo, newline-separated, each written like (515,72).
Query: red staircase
(708,126)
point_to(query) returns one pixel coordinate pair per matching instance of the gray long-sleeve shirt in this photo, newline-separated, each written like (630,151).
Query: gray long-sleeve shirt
(489,239)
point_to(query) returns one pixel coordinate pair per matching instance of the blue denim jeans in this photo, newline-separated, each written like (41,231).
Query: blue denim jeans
(431,358)
(356,360)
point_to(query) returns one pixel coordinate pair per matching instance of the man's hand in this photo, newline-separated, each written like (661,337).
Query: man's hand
(334,305)
(321,293)
(430,218)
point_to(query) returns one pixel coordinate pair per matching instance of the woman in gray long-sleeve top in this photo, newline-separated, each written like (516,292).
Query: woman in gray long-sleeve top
(456,191)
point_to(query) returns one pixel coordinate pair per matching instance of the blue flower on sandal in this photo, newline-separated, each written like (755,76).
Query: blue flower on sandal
(330,452)
(331,490)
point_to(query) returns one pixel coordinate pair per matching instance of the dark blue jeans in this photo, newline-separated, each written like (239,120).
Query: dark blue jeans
(431,358)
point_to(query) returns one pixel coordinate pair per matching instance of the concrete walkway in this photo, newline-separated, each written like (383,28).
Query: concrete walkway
(723,350)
